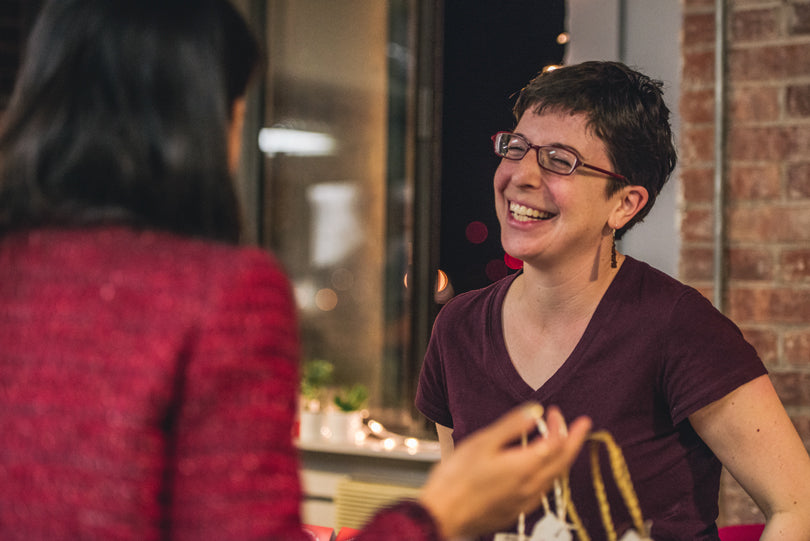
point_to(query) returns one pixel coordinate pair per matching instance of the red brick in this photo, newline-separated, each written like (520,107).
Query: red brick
(768,143)
(754,25)
(698,69)
(697,146)
(754,103)
(771,223)
(696,225)
(775,306)
(799,18)
(750,224)
(697,106)
(765,341)
(698,29)
(750,264)
(754,181)
(798,100)
(795,266)
(792,387)
(697,184)
(690,6)
(797,347)
(769,62)
(798,181)
(696,263)
(799,139)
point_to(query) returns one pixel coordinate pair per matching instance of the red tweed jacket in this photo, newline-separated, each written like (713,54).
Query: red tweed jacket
(148,390)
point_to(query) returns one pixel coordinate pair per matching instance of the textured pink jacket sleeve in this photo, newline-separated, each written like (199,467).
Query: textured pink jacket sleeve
(403,521)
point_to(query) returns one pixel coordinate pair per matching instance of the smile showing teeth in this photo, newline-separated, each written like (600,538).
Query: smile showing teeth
(522,213)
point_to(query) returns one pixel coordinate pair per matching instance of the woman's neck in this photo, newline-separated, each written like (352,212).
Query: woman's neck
(563,294)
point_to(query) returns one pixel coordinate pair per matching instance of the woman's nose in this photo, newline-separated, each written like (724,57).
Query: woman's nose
(527,171)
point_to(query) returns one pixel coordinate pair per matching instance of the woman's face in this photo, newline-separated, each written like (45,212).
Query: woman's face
(551,219)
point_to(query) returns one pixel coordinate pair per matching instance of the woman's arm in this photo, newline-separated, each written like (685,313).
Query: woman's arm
(236,470)
(446,444)
(753,437)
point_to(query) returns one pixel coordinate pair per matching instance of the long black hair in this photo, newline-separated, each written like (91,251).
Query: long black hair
(120,113)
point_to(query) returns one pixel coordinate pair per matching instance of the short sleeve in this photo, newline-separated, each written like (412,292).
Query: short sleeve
(706,357)
(431,392)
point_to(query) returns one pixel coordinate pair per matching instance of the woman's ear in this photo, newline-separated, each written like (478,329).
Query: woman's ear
(631,199)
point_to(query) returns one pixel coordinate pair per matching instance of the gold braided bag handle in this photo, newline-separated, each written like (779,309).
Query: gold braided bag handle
(621,476)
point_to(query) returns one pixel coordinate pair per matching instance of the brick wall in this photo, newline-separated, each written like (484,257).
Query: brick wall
(766,206)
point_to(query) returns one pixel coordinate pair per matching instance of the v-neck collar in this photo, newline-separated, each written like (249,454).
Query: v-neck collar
(503,364)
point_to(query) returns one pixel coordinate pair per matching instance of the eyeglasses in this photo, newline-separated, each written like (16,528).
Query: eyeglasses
(559,160)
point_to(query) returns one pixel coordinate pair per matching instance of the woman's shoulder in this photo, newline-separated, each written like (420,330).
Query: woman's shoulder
(157,257)
(657,296)
(651,282)
(476,302)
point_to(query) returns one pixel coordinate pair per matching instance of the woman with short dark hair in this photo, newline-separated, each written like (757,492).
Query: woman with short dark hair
(601,334)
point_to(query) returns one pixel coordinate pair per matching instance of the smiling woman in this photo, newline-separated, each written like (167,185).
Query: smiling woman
(602,334)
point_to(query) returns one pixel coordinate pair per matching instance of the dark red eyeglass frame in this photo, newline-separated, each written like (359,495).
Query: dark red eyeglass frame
(578,161)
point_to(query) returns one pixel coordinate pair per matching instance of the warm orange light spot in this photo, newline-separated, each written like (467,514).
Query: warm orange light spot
(326,299)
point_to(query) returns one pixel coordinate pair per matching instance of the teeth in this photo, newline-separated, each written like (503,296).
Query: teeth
(522,213)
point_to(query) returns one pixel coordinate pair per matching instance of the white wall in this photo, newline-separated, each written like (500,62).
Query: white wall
(645,34)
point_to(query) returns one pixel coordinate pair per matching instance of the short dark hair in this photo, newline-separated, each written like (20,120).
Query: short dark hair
(625,109)
(120,113)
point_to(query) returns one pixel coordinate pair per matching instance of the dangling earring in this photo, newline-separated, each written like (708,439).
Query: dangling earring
(613,264)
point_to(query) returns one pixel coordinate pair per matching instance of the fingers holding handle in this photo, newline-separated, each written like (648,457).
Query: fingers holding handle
(488,481)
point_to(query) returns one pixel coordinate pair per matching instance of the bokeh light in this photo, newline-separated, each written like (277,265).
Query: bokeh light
(512,262)
(441,281)
(476,232)
(496,269)
(326,299)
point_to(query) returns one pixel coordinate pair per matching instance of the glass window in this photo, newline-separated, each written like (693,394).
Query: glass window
(375,168)
(336,186)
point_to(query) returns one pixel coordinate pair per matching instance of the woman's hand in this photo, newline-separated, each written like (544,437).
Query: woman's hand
(488,481)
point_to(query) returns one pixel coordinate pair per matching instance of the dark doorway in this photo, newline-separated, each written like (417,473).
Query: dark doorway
(491,50)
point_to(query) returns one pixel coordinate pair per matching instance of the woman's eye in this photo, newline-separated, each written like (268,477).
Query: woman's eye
(560,159)
(516,147)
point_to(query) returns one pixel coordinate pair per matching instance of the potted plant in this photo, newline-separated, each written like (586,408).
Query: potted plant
(352,398)
(345,419)
(316,375)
